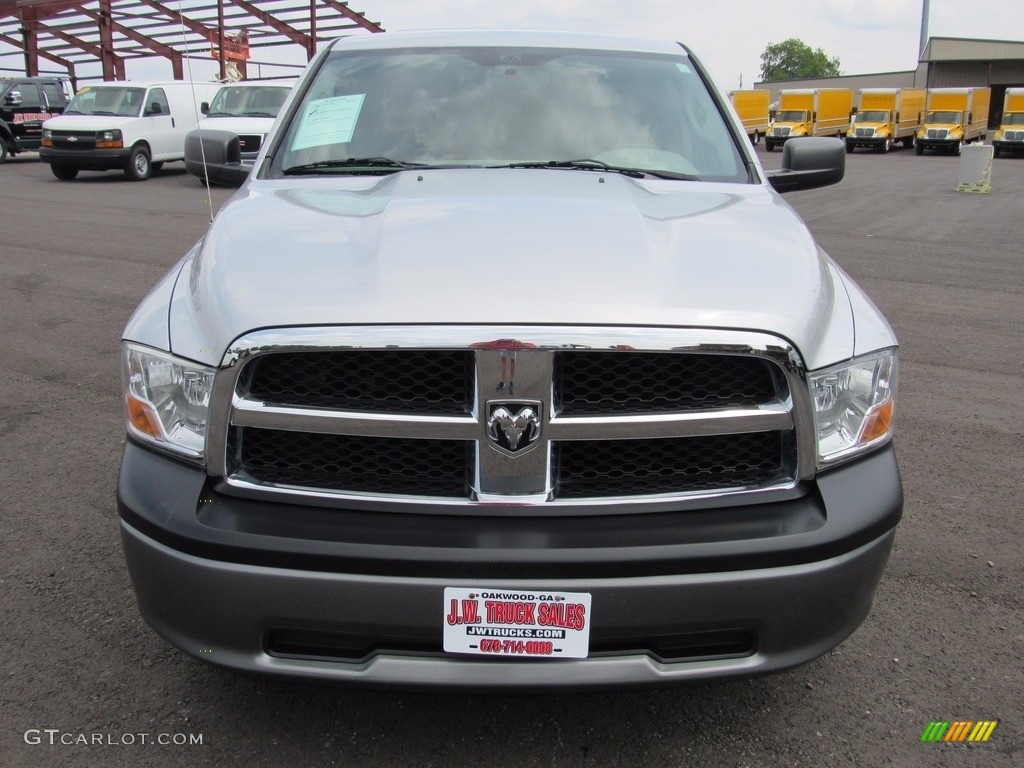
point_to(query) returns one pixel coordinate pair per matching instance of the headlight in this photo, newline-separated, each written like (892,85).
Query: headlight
(854,405)
(48,135)
(167,399)
(109,139)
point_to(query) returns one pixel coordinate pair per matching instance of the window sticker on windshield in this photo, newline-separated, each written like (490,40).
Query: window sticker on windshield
(329,121)
(684,68)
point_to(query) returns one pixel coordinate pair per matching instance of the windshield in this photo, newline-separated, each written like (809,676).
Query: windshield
(248,101)
(498,107)
(942,117)
(791,116)
(872,116)
(1013,118)
(120,101)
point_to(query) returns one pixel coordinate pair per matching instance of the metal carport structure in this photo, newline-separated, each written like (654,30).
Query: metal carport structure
(81,35)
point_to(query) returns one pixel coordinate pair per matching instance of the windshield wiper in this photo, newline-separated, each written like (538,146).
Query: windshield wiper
(258,113)
(354,165)
(582,165)
(597,165)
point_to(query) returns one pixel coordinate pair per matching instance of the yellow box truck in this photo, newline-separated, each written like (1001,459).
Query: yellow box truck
(810,112)
(885,116)
(1010,136)
(752,108)
(953,117)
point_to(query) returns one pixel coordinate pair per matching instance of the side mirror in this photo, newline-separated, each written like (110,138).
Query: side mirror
(13,99)
(205,107)
(216,156)
(810,162)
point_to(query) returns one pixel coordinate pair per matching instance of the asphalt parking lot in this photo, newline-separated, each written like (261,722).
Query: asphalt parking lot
(86,683)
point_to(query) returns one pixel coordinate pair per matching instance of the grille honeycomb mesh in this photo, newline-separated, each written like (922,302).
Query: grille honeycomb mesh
(356,464)
(600,382)
(594,468)
(383,381)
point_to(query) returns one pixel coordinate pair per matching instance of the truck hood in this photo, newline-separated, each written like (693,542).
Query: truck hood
(517,247)
(239,125)
(87,122)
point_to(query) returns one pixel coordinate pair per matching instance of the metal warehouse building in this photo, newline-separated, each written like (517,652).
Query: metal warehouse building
(946,62)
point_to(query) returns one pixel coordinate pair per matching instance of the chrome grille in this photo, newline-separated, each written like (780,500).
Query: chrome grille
(390,418)
(1013,136)
(780,132)
(938,133)
(864,133)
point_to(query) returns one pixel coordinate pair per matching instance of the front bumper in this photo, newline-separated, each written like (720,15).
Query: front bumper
(87,160)
(765,586)
(864,141)
(944,144)
(1008,146)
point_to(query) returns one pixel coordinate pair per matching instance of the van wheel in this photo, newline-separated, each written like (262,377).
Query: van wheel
(3,149)
(64,172)
(138,167)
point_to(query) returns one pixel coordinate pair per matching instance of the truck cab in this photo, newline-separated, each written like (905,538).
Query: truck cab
(953,117)
(25,102)
(789,124)
(1010,135)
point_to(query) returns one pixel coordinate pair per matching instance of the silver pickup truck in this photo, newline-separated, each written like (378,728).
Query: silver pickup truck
(507,367)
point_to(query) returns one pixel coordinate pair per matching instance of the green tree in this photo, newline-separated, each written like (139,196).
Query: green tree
(793,59)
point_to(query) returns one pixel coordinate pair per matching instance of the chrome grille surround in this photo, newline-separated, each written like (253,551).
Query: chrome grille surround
(780,131)
(1013,136)
(865,133)
(938,133)
(528,482)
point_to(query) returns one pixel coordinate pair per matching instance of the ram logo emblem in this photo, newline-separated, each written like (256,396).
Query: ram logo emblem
(512,427)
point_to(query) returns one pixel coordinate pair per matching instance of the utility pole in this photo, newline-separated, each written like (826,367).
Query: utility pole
(924,29)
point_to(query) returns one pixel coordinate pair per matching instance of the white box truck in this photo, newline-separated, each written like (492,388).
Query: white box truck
(131,126)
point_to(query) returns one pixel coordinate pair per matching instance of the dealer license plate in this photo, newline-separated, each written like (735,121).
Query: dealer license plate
(514,623)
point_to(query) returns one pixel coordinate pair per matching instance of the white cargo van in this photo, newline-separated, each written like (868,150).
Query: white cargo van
(129,126)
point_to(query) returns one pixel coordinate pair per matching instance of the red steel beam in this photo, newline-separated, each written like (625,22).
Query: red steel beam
(154,45)
(295,35)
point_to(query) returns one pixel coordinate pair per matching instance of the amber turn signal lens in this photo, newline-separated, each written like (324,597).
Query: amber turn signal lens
(879,423)
(143,419)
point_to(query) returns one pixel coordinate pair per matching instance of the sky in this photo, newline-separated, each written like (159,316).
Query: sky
(728,36)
